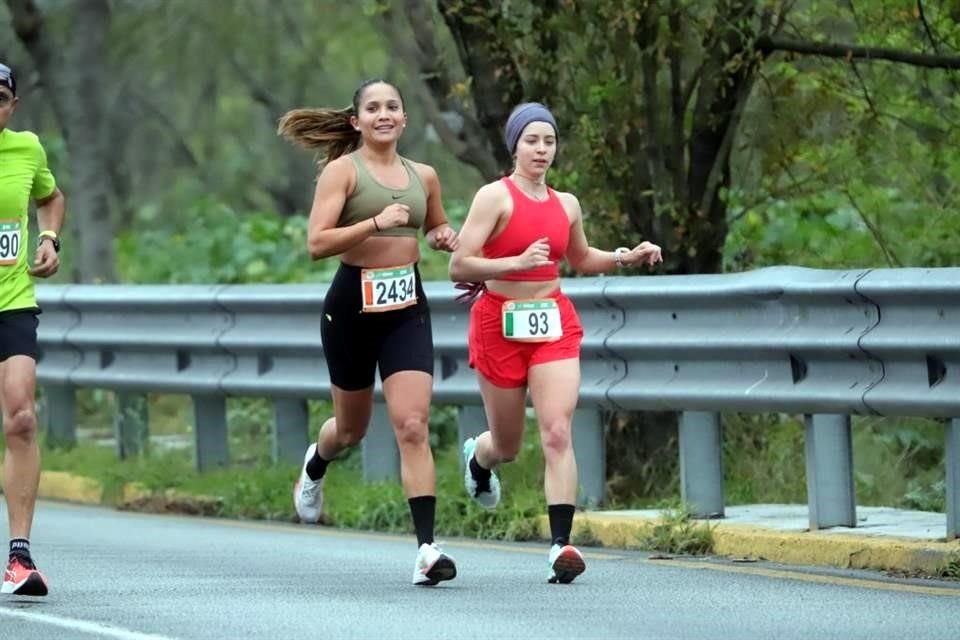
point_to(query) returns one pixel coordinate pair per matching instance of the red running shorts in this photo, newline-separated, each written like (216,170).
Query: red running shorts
(505,362)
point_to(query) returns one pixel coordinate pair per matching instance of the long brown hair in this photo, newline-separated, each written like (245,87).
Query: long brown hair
(327,129)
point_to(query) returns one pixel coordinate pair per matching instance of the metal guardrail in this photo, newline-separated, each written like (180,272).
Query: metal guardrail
(824,343)
(776,340)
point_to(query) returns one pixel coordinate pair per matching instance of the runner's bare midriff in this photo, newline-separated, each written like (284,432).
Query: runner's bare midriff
(377,252)
(521,290)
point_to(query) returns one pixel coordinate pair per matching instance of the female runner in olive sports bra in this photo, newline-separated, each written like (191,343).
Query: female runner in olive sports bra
(368,207)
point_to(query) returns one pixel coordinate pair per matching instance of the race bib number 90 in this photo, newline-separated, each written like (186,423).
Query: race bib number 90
(532,320)
(9,241)
(388,289)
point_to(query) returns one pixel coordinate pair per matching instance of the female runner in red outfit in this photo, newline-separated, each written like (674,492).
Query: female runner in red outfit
(524,332)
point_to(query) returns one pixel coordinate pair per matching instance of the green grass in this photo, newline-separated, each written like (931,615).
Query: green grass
(763,459)
(255,488)
(951,569)
(262,491)
(383,507)
(677,532)
(897,463)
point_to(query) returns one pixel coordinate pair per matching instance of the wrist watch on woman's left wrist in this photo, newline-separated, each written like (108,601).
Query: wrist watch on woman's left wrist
(618,256)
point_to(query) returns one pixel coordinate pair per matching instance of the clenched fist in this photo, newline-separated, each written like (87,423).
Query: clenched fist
(536,255)
(393,215)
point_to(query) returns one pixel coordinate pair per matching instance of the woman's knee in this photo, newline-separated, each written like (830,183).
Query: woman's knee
(555,436)
(506,449)
(412,430)
(21,425)
(349,437)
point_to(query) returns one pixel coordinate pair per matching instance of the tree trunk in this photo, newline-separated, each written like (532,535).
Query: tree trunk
(86,136)
(409,27)
(725,85)
(494,79)
(72,77)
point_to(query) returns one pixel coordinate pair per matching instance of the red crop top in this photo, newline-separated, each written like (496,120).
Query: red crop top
(530,221)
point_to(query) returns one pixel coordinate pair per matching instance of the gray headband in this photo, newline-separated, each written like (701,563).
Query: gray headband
(7,79)
(524,114)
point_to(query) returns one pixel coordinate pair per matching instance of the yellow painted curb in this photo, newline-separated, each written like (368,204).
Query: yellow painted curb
(134,491)
(60,485)
(843,550)
(67,487)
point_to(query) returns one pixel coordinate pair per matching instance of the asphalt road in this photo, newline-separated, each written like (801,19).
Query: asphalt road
(136,576)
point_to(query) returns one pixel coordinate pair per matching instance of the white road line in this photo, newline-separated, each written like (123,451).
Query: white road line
(102,630)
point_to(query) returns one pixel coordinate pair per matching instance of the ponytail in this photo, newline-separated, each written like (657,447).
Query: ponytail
(325,129)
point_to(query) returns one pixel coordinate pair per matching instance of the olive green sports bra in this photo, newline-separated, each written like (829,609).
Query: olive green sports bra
(370,197)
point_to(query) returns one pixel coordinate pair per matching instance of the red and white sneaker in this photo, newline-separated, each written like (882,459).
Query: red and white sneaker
(23,579)
(566,563)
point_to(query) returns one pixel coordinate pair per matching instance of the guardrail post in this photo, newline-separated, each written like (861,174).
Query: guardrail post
(589,446)
(381,458)
(830,490)
(59,412)
(952,463)
(131,424)
(701,463)
(210,432)
(290,427)
(471,422)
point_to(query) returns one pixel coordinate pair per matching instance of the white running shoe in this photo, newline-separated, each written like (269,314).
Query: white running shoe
(307,493)
(432,566)
(486,499)
(566,563)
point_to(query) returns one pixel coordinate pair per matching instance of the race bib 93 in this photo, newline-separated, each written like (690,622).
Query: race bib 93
(532,320)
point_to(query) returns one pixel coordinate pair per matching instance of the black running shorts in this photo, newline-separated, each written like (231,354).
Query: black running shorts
(355,343)
(18,333)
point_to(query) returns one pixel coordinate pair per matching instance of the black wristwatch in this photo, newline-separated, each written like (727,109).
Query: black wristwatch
(54,239)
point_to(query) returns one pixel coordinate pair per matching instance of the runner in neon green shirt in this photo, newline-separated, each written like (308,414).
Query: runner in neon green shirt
(24,176)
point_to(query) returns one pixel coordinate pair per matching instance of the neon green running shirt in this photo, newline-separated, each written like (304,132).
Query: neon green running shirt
(24,176)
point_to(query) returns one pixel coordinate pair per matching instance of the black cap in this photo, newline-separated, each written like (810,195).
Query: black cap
(7,78)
